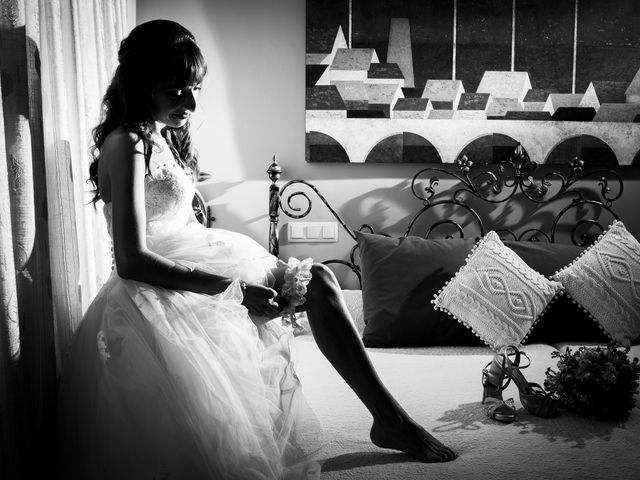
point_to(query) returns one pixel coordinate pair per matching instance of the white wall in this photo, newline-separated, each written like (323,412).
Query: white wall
(252,107)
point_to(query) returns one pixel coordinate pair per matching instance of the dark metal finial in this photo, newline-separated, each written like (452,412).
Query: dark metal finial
(576,165)
(274,170)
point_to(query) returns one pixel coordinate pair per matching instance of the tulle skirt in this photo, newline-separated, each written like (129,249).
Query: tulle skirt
(170,384)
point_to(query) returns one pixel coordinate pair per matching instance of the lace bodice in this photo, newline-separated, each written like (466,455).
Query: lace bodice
(169,192)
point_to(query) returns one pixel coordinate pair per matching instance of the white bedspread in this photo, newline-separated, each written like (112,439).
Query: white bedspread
(441,389)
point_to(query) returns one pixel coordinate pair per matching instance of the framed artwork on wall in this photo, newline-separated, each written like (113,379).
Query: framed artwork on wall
(427,81)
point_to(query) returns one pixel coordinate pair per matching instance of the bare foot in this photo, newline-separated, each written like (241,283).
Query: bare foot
(409,437)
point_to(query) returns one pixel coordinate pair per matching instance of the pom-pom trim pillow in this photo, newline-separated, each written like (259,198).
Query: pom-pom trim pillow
(496,294)
(605,281)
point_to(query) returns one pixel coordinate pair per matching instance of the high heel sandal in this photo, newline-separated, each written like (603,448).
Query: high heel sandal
(493,376)
(532,396)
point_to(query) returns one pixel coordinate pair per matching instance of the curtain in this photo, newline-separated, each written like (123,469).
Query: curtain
(57,57)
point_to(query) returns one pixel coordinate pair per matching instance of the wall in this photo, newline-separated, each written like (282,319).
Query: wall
(252,107)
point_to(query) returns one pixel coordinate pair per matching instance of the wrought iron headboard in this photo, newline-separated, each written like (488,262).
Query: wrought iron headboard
(486,185)
(201,210)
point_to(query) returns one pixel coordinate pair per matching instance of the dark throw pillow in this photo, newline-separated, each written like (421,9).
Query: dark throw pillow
(400,277)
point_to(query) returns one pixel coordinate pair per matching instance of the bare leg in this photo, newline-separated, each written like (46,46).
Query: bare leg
(340,343)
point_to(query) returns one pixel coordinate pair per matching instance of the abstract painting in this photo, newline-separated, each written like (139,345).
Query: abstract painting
(427,81)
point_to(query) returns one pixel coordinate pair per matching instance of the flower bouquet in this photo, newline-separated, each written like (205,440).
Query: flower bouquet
(599,382)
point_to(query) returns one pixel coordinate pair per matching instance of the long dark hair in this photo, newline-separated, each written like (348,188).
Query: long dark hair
(156,55)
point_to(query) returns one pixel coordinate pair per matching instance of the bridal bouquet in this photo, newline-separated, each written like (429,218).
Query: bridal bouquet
(599,382)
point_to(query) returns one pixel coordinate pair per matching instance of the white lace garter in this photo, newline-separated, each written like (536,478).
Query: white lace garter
(296,279)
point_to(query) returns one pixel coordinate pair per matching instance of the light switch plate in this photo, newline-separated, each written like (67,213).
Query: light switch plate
(312,232)
(297,231)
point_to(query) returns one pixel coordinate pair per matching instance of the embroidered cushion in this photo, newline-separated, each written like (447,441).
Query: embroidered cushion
(496,294)
(605,281)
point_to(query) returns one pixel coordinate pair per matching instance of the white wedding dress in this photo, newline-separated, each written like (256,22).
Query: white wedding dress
(167,384)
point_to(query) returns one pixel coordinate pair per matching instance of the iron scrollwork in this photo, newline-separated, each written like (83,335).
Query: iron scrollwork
(516,176)
(281,200)
(487,184)
(201,210)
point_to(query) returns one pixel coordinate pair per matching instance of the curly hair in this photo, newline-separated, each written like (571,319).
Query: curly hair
(156,55)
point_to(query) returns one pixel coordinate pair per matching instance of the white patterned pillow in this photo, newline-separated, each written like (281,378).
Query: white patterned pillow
(605,281)
(496,294)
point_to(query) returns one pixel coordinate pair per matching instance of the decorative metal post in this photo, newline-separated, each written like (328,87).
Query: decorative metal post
(274,172)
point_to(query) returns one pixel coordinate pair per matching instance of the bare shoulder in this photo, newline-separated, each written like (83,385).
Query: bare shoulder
(121,149)
(121,160)
(121,144)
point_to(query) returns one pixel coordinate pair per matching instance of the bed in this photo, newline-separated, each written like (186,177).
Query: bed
(431,362)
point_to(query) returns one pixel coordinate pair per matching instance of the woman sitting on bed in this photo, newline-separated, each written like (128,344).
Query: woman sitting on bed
(175,371)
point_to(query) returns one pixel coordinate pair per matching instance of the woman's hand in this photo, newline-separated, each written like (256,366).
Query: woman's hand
(261,301)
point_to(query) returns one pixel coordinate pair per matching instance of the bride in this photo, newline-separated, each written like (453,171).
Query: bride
(176,370)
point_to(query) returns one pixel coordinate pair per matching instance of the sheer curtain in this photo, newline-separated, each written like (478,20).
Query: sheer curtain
(56,60)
